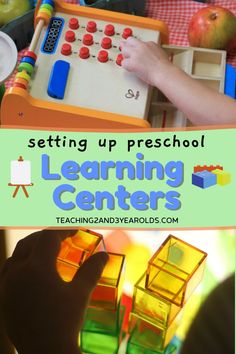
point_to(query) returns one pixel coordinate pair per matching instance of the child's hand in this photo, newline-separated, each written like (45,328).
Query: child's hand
(146,59)
(42,313)
(200,103)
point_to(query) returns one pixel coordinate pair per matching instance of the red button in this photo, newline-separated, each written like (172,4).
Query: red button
(88,39)
(127,33)
(109,30)
(74,23)
(103,56)
(106,43)
(30,54)
(119,59)
(84,53)
(91,27)
(70,36)
(66,49)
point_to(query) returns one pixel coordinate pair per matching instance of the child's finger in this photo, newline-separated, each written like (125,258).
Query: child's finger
(133,42)
(126,52)
(5,267)
(47,246)
(89,273)
(127,64)
(122,44)
(24,247)
(129,42)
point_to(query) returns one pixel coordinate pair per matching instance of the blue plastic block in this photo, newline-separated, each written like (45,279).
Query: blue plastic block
(204,179)
(58,79)
(230,81)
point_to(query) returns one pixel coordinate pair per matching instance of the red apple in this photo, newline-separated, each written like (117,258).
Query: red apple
(213,27)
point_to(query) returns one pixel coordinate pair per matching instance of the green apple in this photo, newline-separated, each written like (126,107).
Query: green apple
(10,9)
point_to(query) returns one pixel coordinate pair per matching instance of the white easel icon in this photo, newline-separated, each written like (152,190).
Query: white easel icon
(20,176)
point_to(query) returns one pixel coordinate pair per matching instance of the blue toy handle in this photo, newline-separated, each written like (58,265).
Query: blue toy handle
(230,81)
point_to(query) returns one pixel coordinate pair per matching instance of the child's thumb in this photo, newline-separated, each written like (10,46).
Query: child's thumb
(90,272)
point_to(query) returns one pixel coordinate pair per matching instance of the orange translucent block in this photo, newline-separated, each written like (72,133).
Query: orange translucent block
(175,270)
(75,250)
(107,293)
(152,306)
(66,270)
(145,334)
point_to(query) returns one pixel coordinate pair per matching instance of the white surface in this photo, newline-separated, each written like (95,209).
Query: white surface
(91,84)
(20,172)
(8,56)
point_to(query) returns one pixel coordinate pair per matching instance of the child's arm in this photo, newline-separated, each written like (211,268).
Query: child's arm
(42,313)
(202,105)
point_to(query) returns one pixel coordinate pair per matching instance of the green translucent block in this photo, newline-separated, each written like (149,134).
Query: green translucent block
(152,306)
(153,337)
(105,321)
(175,270)
(102,343)
(134,348)
(108,291)
(99,343)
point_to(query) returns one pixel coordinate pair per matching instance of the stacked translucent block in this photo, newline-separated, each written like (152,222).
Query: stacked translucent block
(102,329)
(175,270)
(75,250)
(172,274)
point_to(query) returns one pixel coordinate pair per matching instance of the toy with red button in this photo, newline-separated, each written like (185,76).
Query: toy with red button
(104,37)
(72,77)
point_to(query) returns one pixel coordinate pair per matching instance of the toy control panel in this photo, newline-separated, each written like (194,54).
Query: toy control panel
(79,64)
(72,75)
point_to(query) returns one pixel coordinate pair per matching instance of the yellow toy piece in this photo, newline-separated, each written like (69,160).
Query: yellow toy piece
(175,270)
(108,291)
(222,177)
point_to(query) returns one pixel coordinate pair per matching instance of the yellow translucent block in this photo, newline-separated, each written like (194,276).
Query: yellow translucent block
(75,250)
(146,334)
(222,177)
(152,306)
(175,270)
(107,293)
